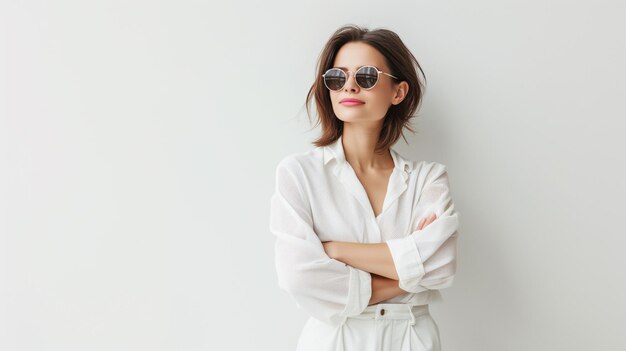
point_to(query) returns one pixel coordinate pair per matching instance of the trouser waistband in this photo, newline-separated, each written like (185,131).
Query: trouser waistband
(392,311)
(386,311)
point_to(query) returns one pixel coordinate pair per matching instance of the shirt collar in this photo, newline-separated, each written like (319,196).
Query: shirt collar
(335,151)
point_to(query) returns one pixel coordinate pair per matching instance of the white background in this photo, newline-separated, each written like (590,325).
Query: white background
(139,141)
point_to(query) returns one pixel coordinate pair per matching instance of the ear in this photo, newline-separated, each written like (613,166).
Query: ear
(400,92)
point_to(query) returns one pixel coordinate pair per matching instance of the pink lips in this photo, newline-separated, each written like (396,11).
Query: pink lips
(351,102)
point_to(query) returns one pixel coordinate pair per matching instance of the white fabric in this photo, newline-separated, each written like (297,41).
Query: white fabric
(318,197)
(381,327)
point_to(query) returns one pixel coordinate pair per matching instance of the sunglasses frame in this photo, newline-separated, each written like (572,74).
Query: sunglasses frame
(347,73)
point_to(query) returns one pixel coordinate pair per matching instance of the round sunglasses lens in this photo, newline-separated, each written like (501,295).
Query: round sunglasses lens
(334,79)
(367,77)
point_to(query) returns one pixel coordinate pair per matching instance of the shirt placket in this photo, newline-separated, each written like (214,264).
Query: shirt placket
(397,185)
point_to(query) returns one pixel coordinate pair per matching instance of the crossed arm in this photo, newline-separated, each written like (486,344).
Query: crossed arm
(373,258)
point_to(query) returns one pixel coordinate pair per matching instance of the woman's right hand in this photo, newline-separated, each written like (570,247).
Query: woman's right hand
(426,221)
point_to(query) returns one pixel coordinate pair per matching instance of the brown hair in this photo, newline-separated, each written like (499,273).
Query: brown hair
(402,64)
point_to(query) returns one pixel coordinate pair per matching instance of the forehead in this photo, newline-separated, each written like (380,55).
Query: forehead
(356,54)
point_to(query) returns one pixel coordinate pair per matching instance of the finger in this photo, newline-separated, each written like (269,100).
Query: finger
(430,219)
(421,224)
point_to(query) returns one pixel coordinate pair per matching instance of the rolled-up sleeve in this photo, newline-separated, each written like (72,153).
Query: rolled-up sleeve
(327,289)
(426,258)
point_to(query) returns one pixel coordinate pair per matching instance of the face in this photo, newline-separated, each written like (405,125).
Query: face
(377,100)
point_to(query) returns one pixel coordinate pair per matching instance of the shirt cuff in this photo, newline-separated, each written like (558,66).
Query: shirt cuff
(359,292)
(408,262)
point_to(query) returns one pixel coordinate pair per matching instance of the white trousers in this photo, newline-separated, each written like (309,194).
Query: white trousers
(381,327)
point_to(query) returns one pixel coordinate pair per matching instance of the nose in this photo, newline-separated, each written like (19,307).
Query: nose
(351,83)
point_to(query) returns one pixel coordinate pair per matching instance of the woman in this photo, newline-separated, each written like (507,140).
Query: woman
(364,237)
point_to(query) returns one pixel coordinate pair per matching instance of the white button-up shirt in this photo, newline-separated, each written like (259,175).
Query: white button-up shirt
(318,198)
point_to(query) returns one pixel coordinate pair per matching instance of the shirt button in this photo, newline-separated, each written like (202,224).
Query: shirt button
(382,312)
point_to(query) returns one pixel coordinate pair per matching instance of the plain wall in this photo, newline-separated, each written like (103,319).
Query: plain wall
(139,141)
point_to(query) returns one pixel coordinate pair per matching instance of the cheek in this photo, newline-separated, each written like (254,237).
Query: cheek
(380,103)
(381,107)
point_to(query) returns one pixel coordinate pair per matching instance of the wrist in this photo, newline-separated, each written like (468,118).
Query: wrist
(330,247)
(335,250)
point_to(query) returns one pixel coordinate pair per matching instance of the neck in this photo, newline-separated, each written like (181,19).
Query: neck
(359,145)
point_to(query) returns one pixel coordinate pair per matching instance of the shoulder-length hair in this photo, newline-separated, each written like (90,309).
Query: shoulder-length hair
(402,64)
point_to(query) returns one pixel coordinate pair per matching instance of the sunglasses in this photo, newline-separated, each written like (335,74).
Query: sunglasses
(366,77)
